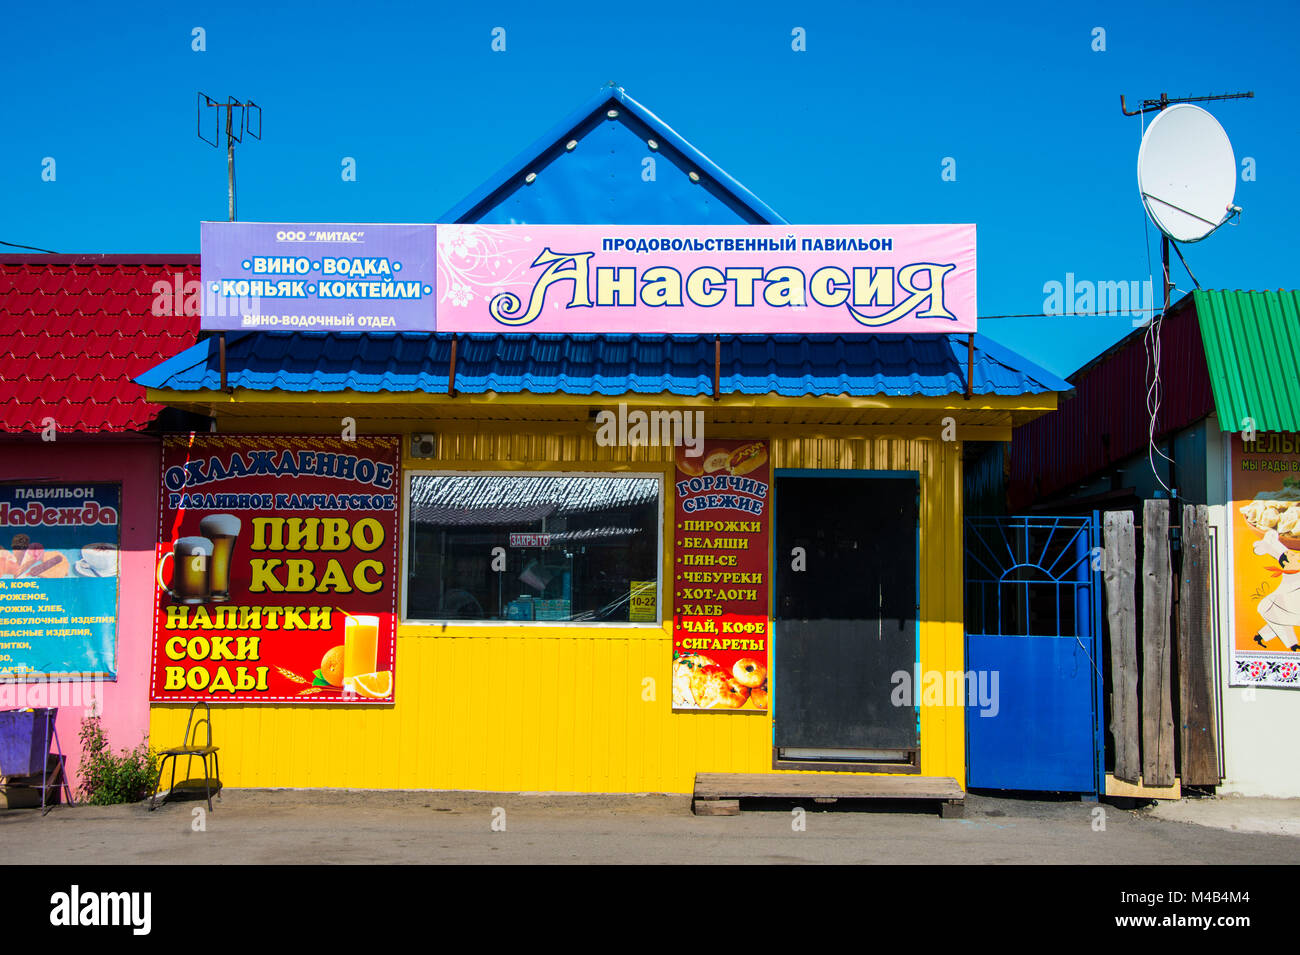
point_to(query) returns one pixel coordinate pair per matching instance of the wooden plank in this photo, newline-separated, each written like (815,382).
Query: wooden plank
(1196,717)
(824,785)
(1119,561)
(716,807)
(1117,787)
(1157,697)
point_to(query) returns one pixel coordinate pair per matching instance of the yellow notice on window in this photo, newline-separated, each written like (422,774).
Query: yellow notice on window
(644,602)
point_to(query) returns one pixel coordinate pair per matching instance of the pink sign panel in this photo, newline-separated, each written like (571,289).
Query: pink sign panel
(706,279)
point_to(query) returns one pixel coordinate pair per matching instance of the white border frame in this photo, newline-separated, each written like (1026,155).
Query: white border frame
(409,474)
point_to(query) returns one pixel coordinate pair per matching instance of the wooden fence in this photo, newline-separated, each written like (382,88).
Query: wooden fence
(1172,681)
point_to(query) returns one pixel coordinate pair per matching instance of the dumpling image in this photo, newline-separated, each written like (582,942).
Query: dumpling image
(1289,523)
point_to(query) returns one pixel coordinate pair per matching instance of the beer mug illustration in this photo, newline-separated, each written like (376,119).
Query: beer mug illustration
(222,530)
(192,556)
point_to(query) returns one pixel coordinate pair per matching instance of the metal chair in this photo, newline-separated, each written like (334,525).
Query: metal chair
(191,748)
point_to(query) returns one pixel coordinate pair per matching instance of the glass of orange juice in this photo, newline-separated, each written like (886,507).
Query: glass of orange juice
(360,646)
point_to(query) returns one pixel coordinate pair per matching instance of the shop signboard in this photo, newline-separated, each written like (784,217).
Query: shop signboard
(706,279)
(1265,546)
(599,279)
(720,577)
(330,277)
(276,570)
(58,580)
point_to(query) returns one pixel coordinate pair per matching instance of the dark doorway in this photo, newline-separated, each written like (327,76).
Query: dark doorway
(845,618)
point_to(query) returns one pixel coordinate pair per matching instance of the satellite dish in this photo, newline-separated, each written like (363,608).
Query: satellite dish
(1187,174)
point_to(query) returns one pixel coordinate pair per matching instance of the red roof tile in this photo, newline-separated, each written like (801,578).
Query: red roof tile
(75,331)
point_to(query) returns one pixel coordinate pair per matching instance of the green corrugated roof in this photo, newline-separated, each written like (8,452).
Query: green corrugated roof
(1252,348)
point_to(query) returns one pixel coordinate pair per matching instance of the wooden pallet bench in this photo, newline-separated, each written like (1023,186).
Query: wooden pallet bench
(719,794)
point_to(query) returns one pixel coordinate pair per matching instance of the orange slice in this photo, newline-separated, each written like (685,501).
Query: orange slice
(374,685)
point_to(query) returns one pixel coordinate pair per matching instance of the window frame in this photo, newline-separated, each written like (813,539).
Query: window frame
(410,474)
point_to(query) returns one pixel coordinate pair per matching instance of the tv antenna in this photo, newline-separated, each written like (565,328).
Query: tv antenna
(1187,179)
(235,131)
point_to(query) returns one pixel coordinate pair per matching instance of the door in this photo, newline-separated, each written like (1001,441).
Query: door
(1033,600)
(845,613)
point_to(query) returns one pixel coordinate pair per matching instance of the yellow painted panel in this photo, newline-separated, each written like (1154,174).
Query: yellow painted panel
(510,708)
(573,721)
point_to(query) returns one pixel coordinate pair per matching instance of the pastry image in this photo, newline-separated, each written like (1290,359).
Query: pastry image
(747,457)
(20,542)
(759,698)
(714,688)
(748,672)
(698,681)
(8,563)
(682,669)
(717,461)
(688,464)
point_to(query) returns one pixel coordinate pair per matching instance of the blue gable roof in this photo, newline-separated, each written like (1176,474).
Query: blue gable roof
(599,180)
(604,178)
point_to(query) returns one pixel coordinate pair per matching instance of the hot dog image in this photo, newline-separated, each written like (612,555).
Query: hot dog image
(747,457)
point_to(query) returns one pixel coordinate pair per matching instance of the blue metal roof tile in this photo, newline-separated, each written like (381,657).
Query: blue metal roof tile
(588,364)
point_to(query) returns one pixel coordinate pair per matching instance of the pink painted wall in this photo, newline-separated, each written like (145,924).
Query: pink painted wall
(123,704)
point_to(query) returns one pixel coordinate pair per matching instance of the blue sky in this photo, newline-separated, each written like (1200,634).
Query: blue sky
(854,130)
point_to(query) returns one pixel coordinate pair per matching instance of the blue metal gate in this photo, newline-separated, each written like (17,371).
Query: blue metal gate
(1033,654)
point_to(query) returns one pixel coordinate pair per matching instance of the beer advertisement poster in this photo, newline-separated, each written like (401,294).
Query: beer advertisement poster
(1265,521)
(721,524)
(58,580)
(276,570)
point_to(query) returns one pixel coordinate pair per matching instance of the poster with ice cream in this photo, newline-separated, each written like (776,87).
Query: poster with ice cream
(1264,518)
(276,570)
(58,580)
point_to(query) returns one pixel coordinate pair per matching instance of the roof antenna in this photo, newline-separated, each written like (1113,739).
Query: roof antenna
(235,132)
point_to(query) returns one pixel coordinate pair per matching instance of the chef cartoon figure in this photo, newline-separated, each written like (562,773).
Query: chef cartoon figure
(1281,608)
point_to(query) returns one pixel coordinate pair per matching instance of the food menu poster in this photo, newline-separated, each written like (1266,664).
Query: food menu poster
(276,570)
(1265,541)
(721,522)
(58,580)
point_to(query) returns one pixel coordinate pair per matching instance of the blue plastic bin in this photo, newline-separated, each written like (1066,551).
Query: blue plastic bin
(24,743)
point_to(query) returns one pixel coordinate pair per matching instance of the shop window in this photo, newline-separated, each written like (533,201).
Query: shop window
(581,548)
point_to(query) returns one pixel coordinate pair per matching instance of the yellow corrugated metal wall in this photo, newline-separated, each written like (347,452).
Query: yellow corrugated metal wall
(568,709)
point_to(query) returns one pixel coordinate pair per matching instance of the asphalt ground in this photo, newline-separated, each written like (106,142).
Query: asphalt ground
(271,827)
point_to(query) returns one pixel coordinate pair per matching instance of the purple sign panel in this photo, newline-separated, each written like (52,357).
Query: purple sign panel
(355,277)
